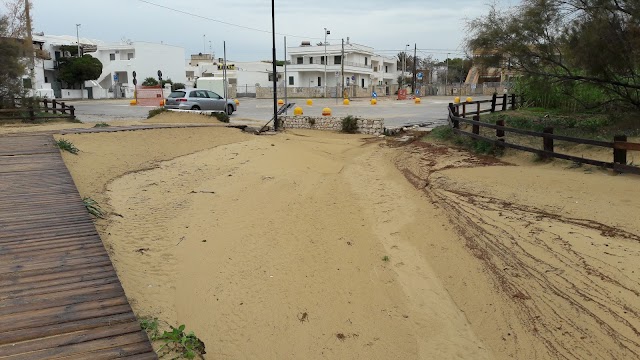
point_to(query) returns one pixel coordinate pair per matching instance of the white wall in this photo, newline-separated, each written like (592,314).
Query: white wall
(74,94)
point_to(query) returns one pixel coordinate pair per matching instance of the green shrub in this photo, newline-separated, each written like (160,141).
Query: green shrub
(101,124)
(443,132)
(188,345)
(177,86)
(67,145)
(92,207)
(350,125)
(156,111)
(221,116)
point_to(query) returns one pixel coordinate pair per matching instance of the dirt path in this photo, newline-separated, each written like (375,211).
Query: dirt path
(559,246)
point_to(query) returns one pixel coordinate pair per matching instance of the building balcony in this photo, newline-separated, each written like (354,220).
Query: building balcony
(50,65)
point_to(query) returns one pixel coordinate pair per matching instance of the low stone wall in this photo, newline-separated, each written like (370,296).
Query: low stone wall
(365,126)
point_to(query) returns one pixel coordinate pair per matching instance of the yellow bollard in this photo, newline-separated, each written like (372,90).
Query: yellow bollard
(237,102)
(346,102)
(469,99)
(280,102)
(326,112)
(309,102)
(133,102)
(162,102)
(456,100)
(417,100)
(297,111)
(374,101)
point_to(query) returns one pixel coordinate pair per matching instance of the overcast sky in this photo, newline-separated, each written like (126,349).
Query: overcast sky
(436,26)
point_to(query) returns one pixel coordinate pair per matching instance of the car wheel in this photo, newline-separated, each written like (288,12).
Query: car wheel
(195,107)
(229,109)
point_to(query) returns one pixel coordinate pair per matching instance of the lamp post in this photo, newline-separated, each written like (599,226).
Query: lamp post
(326,60)
(404,62)
(78,37)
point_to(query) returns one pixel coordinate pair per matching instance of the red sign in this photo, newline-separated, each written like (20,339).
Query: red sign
(402,94)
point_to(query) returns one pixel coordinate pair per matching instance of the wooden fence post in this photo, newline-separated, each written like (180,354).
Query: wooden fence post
(476,127)
(63,108)
(499,132)
(546,141)
(493,102)
(620,155)
(32,114)
(464,109)
(478,110)
(72,109)
(504,102)
(46,105)
(513,101)
(53,105)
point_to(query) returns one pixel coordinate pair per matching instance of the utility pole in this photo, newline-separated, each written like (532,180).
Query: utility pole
(404,62)
(32,59)
(286,79)
(276,123)
(415,54)
(326,60)
(204,43)
(224,72)
(446,76)
(342,69)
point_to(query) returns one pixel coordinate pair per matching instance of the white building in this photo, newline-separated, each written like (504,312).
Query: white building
(362,67)
(243,76)
(119,61)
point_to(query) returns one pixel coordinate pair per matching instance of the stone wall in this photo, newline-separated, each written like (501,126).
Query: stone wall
(365,126)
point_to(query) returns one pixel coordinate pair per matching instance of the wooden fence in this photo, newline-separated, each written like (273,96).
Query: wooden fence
(460,113)
(39,110)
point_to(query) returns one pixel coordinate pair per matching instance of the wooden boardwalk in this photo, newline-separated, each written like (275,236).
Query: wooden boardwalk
(60,297)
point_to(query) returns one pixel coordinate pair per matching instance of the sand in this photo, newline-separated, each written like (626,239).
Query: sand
(272,247)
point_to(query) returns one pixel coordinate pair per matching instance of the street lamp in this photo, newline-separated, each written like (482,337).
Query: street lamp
(78,37)
(326,32)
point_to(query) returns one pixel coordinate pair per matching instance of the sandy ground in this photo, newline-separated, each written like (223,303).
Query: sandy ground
(272,247)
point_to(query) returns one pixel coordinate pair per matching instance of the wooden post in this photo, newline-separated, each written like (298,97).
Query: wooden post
(493,102)
(464,109)
(456,123)
(478,110)
(504,102)
(72,109)
(32,114)
(476,127)
(62,107)
(53,105)
(620,155)
(499,132)
(547,142)
(46,105)
(513,101)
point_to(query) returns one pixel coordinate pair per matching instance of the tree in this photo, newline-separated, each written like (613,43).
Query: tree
(150,82)
(13,65)
(458,69)
(177,86)
(587,50)
(77,70)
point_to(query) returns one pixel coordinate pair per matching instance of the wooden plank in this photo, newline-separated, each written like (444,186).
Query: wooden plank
(626,146)
(65,300)
(48,280)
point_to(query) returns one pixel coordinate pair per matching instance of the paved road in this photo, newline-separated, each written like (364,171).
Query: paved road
(432,111)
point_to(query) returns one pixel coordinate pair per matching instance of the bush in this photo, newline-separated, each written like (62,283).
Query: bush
(177,86)
(156,111)
(350,125)
(101,124)
(150,82)
(443,132)
(221,116)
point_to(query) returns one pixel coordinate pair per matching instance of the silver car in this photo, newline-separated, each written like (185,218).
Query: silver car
(199,99)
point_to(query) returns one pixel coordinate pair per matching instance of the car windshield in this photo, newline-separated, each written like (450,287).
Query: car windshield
(177,94)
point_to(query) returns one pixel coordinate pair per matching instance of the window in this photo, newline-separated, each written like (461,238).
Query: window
(299,60)
(366,61)
(362,82)
(112,57)
(375,69)
(319,81)
(337,59)
(311,60)
(129,56)
(271,76)
(213,95)
(26,83)
(290,80)
(386,68)
(322,60)
(177,94)
(46,79)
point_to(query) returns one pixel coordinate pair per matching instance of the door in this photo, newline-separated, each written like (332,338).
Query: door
(202,100)
(217,102)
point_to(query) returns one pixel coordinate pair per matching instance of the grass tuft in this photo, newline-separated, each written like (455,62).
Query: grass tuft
(221,116)
(386,258)
(176,341)
(92,207)
(156,111)
(101,124)
(66,145)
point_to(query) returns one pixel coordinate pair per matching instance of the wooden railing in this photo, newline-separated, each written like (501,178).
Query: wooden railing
(459,113)
(34,111)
